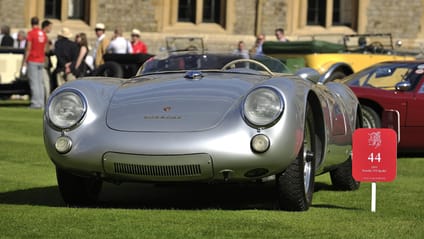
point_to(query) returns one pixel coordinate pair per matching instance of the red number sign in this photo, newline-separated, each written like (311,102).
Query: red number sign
(374,155)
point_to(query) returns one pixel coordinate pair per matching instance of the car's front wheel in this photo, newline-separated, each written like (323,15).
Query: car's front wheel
(77,190)
(370,118)
(295,185)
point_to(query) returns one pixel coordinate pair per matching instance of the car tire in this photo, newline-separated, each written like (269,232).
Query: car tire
(295,185)
(342,178)
(76,190)
(110,69)
(370,118)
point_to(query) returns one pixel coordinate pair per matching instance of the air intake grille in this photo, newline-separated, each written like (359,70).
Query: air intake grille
(158,170)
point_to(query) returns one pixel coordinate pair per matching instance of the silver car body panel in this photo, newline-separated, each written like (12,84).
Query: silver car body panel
(164,127)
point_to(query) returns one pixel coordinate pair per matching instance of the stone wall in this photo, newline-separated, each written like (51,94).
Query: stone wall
(245,17)
(12,13)
(274,15)
(401,18)
(128,14)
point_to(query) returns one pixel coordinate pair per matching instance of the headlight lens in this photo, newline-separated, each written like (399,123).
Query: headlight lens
(263,106)
(66,109)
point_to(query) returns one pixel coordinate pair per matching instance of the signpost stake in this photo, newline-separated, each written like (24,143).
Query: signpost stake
(373,196)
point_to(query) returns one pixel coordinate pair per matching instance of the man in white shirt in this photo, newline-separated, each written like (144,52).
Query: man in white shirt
(119,44)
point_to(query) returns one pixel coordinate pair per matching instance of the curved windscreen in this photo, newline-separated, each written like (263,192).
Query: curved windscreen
(384,76)
(198,61)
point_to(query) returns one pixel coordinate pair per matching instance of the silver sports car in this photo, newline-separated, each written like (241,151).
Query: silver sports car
(205,118)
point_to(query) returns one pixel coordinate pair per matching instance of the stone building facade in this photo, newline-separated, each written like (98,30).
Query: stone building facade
(237,19)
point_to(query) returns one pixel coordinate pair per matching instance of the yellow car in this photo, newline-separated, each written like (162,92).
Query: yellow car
(337,60)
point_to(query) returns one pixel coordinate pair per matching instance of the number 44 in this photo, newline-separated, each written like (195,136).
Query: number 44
(373,158)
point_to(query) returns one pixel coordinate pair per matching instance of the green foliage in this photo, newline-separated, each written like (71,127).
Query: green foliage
(31,207)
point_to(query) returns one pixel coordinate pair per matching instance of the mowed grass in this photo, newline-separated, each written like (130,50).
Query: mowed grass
(31,207)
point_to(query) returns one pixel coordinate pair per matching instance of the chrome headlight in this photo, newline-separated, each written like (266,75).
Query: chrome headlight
(66,109)
(263,106)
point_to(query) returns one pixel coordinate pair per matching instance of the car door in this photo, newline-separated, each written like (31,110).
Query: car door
(413,127)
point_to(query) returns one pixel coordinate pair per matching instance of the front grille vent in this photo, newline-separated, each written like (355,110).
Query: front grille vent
(158,170)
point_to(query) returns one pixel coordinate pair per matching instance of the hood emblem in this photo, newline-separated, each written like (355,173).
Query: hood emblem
(193,75)
(167,108)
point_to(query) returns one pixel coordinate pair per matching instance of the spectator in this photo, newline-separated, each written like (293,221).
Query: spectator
(119,44)
(7,39)
(101,45)
(46,26)
(257,48)
(81,68)
(66,52)
(279,34)
(138,46)
(34,62)
(241,50)
(20,39)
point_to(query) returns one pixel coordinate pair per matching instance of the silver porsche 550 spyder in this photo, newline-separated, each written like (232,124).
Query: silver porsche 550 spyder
(197,117)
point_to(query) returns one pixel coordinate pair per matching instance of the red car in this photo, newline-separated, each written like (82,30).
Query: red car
(392,96)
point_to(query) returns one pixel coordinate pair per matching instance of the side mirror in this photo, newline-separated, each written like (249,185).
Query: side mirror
(383,72)
(403,86)
(308,74)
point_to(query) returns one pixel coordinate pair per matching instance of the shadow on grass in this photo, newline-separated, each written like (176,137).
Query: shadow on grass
(133,195)
(147,196)
(44,196)
(189,196)
(14,103)
(323,187)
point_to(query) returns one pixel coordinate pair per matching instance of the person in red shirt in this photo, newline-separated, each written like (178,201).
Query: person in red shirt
(137,45)
(34,63)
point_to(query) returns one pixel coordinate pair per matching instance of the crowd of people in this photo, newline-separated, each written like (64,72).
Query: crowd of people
(74,56)
(257,47)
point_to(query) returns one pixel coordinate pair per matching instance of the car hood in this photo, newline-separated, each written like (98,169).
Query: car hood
(172,103)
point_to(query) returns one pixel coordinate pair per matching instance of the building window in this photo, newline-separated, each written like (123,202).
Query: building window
(343,13)
(187,11)
(74,9)
(202,11)
(52,9)
(316,12)
(212,11)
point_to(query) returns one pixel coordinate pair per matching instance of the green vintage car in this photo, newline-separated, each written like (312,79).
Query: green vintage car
(335,57)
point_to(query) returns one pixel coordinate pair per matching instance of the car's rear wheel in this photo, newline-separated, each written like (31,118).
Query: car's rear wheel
(370,118)
(76,190)
(295,185)
(341,177)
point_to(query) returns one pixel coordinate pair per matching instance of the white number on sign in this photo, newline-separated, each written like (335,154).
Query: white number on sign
(373,158)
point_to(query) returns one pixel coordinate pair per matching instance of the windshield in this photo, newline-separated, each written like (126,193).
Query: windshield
(383,76)
(199,61)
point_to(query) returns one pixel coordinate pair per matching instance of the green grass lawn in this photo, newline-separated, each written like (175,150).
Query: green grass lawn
(31,207)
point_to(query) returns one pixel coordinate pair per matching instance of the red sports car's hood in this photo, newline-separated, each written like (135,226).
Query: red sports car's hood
(170,103)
